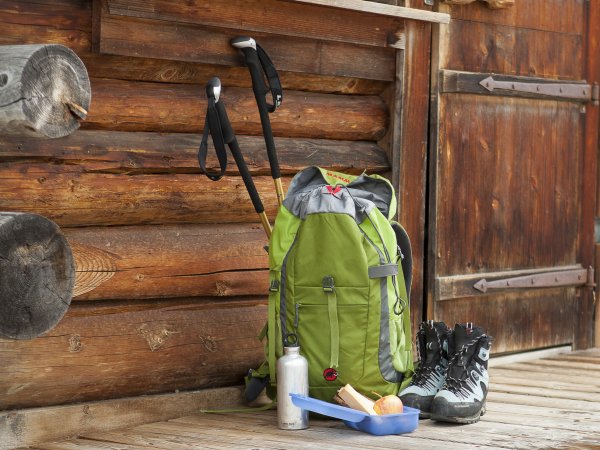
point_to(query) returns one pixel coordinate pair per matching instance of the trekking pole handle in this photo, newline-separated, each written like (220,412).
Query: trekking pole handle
(248,47)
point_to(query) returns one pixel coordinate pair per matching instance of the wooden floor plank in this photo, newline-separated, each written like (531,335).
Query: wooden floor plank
(521,378)
(85,444)
(536,391)
(573,366)
(335,435)
(546,372)
(590,359)
(574,405)
(510,415)
(551,402)
(172,441)
(580,417)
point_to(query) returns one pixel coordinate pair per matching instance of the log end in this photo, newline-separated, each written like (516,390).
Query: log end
(37,275)
(44,90)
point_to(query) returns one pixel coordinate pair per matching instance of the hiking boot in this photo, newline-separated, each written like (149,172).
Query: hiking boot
(432,349)
(462,398)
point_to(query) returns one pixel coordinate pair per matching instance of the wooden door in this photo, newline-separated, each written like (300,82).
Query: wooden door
(512,172)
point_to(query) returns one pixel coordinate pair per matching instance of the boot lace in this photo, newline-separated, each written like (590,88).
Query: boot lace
(460,360)
(423,373)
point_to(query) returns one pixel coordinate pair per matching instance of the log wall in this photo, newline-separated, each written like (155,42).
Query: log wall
(171,271)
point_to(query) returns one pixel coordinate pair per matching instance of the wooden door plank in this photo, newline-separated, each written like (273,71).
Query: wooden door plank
(557,16)
(485,47)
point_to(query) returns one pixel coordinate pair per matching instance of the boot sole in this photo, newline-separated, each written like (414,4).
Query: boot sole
(462,420)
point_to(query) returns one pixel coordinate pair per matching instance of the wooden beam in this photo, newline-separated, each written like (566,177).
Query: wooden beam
(149,38)
(121,349)
(139,106)
(121,152)
(169,71)
(144,262)
(44,90)
(27,427)
(275,17)
(382,9)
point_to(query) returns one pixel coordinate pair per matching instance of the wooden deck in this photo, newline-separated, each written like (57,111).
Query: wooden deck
(552,402)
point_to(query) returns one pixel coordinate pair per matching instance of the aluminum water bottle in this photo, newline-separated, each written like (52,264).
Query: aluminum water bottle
(292,378)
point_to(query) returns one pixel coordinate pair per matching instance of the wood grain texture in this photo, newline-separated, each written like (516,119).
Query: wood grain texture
(117,152)
(44,90)
(170,261)
(531,14)
(169,71)
(517,320)
(413,154)
(128,36)
(71,197)
(36,274)
(30,426)
(138,106)
(118,350)
(483,47)
(589,176)
(271,17)
(520,193)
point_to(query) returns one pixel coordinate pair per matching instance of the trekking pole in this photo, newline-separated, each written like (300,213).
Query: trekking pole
(258,62)
(222,133)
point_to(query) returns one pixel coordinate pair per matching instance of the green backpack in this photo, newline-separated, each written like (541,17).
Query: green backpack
(340,275)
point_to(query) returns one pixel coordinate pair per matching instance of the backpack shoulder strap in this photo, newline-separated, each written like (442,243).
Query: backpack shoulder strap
(405,251)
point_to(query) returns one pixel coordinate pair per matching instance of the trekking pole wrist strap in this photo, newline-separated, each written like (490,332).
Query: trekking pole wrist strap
(274,84)
(212,126)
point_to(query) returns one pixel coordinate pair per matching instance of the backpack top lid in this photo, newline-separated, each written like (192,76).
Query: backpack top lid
(373,188)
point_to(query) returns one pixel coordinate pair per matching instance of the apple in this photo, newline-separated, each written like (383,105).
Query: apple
(390,404)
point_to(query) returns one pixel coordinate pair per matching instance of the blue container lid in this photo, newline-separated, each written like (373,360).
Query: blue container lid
(404,422)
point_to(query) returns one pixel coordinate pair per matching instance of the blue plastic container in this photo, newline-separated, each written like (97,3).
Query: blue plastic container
(405,422)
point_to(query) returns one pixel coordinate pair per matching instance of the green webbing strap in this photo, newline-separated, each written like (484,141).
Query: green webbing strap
(329,289)
(271,338)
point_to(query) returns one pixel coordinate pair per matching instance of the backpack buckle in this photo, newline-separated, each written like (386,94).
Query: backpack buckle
(274,286)
(328,284)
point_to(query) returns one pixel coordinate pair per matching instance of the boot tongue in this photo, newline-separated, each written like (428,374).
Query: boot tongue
(464,334)
(435,334)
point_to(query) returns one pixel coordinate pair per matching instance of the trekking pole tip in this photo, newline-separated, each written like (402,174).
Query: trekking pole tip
(242,42)
(213,88)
